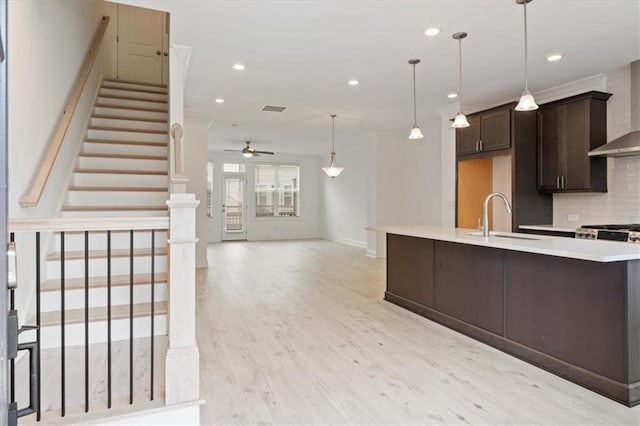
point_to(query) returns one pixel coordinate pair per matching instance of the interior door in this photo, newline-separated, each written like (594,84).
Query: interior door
(140,44)
(234,221)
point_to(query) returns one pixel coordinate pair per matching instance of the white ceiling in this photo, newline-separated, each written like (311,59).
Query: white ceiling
(300,54)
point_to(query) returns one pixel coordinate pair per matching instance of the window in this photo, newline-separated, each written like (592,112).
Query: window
(277,190)
(209,189)
(233,168)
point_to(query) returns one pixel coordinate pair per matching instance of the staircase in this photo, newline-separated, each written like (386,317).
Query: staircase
(122,171)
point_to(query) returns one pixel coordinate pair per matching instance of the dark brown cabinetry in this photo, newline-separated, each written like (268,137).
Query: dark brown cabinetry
(488,131)
(576,318)
(567,130)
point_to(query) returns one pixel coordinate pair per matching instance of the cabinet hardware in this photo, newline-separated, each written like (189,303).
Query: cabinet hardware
(477,146)
(558,182)
(481,147)
(562,181)
(166,53)
(158,52)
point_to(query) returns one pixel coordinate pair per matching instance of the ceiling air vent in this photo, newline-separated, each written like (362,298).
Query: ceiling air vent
(272,108)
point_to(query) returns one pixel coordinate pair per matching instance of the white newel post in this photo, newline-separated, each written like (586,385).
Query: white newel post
(182,366)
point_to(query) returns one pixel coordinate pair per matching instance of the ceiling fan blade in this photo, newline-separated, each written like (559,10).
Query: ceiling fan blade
(265,152)
(233,150)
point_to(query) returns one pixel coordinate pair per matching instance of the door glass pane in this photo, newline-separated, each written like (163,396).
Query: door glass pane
(209,189)
(234,196)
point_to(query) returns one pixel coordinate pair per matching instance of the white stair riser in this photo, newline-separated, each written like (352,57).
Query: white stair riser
(129,113)
(116,102)
(74,299)
(110,148)
(129,124)
(127,136)
(74,241)
(74,333)
(122,163)
(107,91)
(117,179)
(115,198)
(128,213)
(98,267)
(133,86)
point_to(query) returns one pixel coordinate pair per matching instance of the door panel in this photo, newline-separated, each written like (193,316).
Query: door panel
(496,130)
(140,44)
(467,137)
(576,146)
(548,149)
(233,209)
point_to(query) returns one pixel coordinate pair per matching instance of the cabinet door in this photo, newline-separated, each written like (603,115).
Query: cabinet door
(467,138)
(410,268)
(549,148)
(495,130)
(575,144)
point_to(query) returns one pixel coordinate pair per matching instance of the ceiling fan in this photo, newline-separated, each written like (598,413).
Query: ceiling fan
(249,152)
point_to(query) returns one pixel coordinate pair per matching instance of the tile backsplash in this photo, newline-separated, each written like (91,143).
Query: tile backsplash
(621,204)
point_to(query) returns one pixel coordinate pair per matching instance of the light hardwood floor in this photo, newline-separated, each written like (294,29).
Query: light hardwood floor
(296,332)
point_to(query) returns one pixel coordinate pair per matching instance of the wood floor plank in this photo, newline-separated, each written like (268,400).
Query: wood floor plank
(304,336)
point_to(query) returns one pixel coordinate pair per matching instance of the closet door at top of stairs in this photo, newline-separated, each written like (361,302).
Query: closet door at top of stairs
(140,44)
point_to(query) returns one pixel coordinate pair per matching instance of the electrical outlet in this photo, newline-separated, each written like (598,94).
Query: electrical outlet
(573,218)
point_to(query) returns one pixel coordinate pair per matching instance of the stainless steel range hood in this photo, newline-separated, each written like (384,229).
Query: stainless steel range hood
(628,144)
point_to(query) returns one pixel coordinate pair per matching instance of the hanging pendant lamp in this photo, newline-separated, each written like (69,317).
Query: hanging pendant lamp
(415,131)
(461,120)
(527,103)
(332,171)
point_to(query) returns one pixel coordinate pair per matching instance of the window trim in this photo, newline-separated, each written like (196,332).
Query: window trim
(299,191)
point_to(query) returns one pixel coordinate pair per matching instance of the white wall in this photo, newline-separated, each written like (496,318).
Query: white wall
(308,225)
(345,199)
(195,166)
(47,43)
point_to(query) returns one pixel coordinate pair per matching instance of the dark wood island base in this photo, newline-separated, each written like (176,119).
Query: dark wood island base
(575,318)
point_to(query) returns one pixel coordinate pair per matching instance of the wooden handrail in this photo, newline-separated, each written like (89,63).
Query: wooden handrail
(177,163)
(60,224)
(42,172)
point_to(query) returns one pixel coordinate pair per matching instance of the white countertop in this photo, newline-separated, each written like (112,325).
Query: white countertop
(549,228)
(597,251)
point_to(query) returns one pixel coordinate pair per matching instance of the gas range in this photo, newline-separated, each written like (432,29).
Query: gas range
(629,233)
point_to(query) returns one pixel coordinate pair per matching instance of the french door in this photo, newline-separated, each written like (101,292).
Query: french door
(234,207)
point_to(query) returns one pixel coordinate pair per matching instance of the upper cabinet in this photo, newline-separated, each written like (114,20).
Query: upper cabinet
(488,131)
(567,130)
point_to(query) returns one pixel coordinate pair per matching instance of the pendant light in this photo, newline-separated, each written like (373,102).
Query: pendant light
(415,131)
(332,171)
(460,121)
(527,103)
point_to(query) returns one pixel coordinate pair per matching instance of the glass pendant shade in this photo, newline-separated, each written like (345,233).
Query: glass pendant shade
(247,154)
(527,103)
(460,121)
(332,171)
(416,133)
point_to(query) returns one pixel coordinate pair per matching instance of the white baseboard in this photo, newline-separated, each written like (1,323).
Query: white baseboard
(354,243)
(373,254)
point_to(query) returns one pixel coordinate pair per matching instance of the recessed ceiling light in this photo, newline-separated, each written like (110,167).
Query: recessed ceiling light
(353,82)
(432,31)
(452,95)
(555,57)
(219,100)
(235,125)
(238,67)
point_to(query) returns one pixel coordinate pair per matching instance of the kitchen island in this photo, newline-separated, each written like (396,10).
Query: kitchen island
(569,306)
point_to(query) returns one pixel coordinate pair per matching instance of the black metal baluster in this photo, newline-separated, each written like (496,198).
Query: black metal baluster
(153,299)
(86,321)
(12,366)
(62,360)
(130,317)
(38,412)
(108,319)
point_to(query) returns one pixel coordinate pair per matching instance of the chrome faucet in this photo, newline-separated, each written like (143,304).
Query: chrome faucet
(485,211)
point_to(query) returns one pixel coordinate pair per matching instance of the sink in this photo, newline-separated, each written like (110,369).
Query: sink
(504,235)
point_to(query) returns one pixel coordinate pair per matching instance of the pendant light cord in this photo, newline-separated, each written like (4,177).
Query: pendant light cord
(526,55)
(333,130)
(460,73)
(415,120)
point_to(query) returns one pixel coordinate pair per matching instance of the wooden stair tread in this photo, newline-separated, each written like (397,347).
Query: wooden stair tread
(74,316)
(131,89)
(102,254)
(125,98)
(124,129)
(123,172)
(119,142)
(139,83)
(117,117)
(112,208)
(120,188)
(124,156)
(129,108)
(101,282)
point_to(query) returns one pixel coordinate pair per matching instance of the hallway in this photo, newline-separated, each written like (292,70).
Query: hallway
(297,332)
